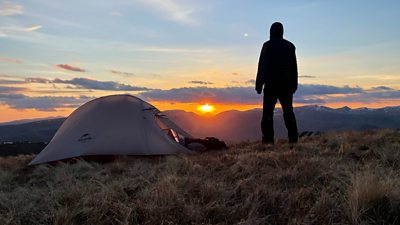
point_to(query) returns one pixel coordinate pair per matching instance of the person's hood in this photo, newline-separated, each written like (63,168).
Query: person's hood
(276,31)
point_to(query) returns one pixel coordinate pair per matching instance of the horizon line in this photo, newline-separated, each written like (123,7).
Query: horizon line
(23,121)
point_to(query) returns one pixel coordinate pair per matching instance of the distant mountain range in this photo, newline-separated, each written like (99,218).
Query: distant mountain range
(234,126)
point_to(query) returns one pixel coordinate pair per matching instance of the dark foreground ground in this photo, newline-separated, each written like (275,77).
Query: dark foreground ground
(336,178)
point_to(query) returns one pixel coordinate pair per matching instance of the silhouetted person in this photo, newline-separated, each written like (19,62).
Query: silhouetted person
(277,72)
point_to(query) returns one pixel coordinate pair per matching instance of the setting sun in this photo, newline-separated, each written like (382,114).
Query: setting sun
(206,108)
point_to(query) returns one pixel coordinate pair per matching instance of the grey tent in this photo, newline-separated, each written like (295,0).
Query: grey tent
(114,125)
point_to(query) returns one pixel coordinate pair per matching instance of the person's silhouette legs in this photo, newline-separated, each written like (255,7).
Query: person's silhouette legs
(267,121)
(289,117)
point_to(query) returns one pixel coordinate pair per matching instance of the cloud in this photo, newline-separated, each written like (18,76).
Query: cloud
(392,94)
(87,83)
(12,97)
(251,81)
(122,73)
(345,94)
(11,60)
(381,88)
(6,81)
(366,97)
(42,103)
(33,28)
(13,30)
(315,94)
(319,89)
(308,100)
(8,89)
(196,94)
(246,83)
(306,94)
(37,80)
(99,85)
(69,67)
(200,82)
(173,10)
(9,8)
(307,76)
(8,76)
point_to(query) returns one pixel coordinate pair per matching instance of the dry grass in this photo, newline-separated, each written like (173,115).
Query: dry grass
(337,178)
(374,197)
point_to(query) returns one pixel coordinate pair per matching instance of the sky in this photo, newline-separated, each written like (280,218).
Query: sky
(56,55)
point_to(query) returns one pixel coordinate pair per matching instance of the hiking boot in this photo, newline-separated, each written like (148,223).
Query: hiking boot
(293,140)
(268,141)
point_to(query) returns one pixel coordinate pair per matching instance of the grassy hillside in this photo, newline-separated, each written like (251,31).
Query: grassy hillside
(337,178)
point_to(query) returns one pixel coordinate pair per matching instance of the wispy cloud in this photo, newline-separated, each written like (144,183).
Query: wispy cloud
(42,103)
(33,28)
(69,67)
(367,97)
(307,76)
(200,82)
(8,76)
(9,8)
(122,73)
(12,97)
(8,89)
(11,60)
(15,30)
(245,83)
(313,101)
(319,94)
(100,85)
(88,84)
(173,10)
(196,94)
(7,81)
(382,88)
(251,81)
(320,89)
(38,80)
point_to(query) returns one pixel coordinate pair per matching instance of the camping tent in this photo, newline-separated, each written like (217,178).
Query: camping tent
(114,125)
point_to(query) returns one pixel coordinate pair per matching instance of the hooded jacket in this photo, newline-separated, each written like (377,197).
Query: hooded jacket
(277,66)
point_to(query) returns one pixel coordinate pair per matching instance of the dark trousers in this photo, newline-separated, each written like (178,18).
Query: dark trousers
(267,122)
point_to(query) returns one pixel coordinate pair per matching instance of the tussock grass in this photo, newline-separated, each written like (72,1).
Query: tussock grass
(336,178)
(373,196)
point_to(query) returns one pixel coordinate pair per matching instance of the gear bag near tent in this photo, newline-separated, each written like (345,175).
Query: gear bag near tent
(115,125)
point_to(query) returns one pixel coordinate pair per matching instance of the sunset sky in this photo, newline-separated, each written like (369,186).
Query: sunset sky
(56,55)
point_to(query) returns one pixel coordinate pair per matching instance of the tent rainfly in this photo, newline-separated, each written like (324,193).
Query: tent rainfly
(114,125)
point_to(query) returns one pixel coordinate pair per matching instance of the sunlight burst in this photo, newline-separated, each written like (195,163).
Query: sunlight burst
(206,108)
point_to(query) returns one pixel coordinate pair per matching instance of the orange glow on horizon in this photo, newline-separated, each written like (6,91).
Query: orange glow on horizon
(10,114)
(194,107)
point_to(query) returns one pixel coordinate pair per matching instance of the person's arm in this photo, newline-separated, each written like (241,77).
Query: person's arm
(294,71)
(260,79)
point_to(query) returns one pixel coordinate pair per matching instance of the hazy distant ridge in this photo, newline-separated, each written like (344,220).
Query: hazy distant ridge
(236,125)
